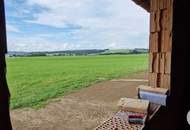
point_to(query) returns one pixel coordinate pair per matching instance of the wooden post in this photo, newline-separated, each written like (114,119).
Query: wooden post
(174,116)
(161,14)
(5,123)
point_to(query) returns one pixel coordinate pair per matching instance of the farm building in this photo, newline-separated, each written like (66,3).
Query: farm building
(168,51)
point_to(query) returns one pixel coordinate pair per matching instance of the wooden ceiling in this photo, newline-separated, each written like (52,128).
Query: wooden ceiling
(143,3)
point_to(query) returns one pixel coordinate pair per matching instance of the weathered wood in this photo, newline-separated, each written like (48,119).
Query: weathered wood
(167,63)
(155,21)
(154,5)
(162,4)
(169,3)
(154,41)
(151,89)
(164,19)
(162,63)
(153,77)
(166,41)
(154,62)
(152,22)
(161,14)
(150,62)
(133,105)
(165,81)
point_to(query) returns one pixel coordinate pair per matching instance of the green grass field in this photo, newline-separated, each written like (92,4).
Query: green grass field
(34,80)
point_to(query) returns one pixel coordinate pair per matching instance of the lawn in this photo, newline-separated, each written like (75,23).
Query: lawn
(34,80)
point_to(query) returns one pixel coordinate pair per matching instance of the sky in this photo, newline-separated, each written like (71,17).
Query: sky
(55,25)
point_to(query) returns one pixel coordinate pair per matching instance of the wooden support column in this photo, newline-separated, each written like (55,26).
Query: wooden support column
(174,116)
(5,123)
(160,44)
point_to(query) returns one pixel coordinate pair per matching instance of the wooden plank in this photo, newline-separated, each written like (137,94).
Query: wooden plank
(156,58)
(163,41)
(152,22)
(165,81)
(168,63)
(154,5)
(153,79)
(154,62)
(151,89)
(164,19)
(161,4)
(154,41)
(155,21)
(150,62)
(165,3)
(166,41)
(133,105)
(169,3)
(162,63)
(158,20)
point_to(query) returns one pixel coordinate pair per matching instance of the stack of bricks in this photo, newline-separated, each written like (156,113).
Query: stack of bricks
(118,122)
(161,17)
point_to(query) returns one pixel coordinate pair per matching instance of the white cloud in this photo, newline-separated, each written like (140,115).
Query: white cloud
(12,28)
(120,14)
(104,24)
(35,44)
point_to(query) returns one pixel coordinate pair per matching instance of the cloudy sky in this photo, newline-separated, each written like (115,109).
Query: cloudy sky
(49,25)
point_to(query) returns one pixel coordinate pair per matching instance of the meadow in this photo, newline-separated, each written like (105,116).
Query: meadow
(35,80)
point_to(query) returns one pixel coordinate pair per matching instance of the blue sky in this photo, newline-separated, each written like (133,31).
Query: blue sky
(51,25)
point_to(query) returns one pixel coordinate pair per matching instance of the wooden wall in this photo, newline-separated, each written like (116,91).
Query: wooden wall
(160,44)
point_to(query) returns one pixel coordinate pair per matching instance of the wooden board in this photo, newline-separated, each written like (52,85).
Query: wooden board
(155,21)
(164,19)
(133,105)
(162,63)
(154,62)
(166,41)
(160,42)
(167,63)
(162,4)
(150,62)
(151,89)
(154,41)
(165,81)
(153,79)
(152,22)
(154,5)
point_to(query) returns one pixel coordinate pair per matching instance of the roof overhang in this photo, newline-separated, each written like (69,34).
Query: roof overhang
(145,4)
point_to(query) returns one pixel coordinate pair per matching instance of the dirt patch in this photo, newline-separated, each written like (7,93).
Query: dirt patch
(82,110)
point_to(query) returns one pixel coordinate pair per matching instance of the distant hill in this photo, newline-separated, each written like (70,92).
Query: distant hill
(79,52)
(125,51)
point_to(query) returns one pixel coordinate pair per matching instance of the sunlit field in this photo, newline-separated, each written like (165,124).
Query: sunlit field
(34,80)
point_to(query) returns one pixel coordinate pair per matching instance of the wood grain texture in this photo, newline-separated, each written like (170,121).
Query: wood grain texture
(133,105)
(153,77)
(167,63)
(151,89)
